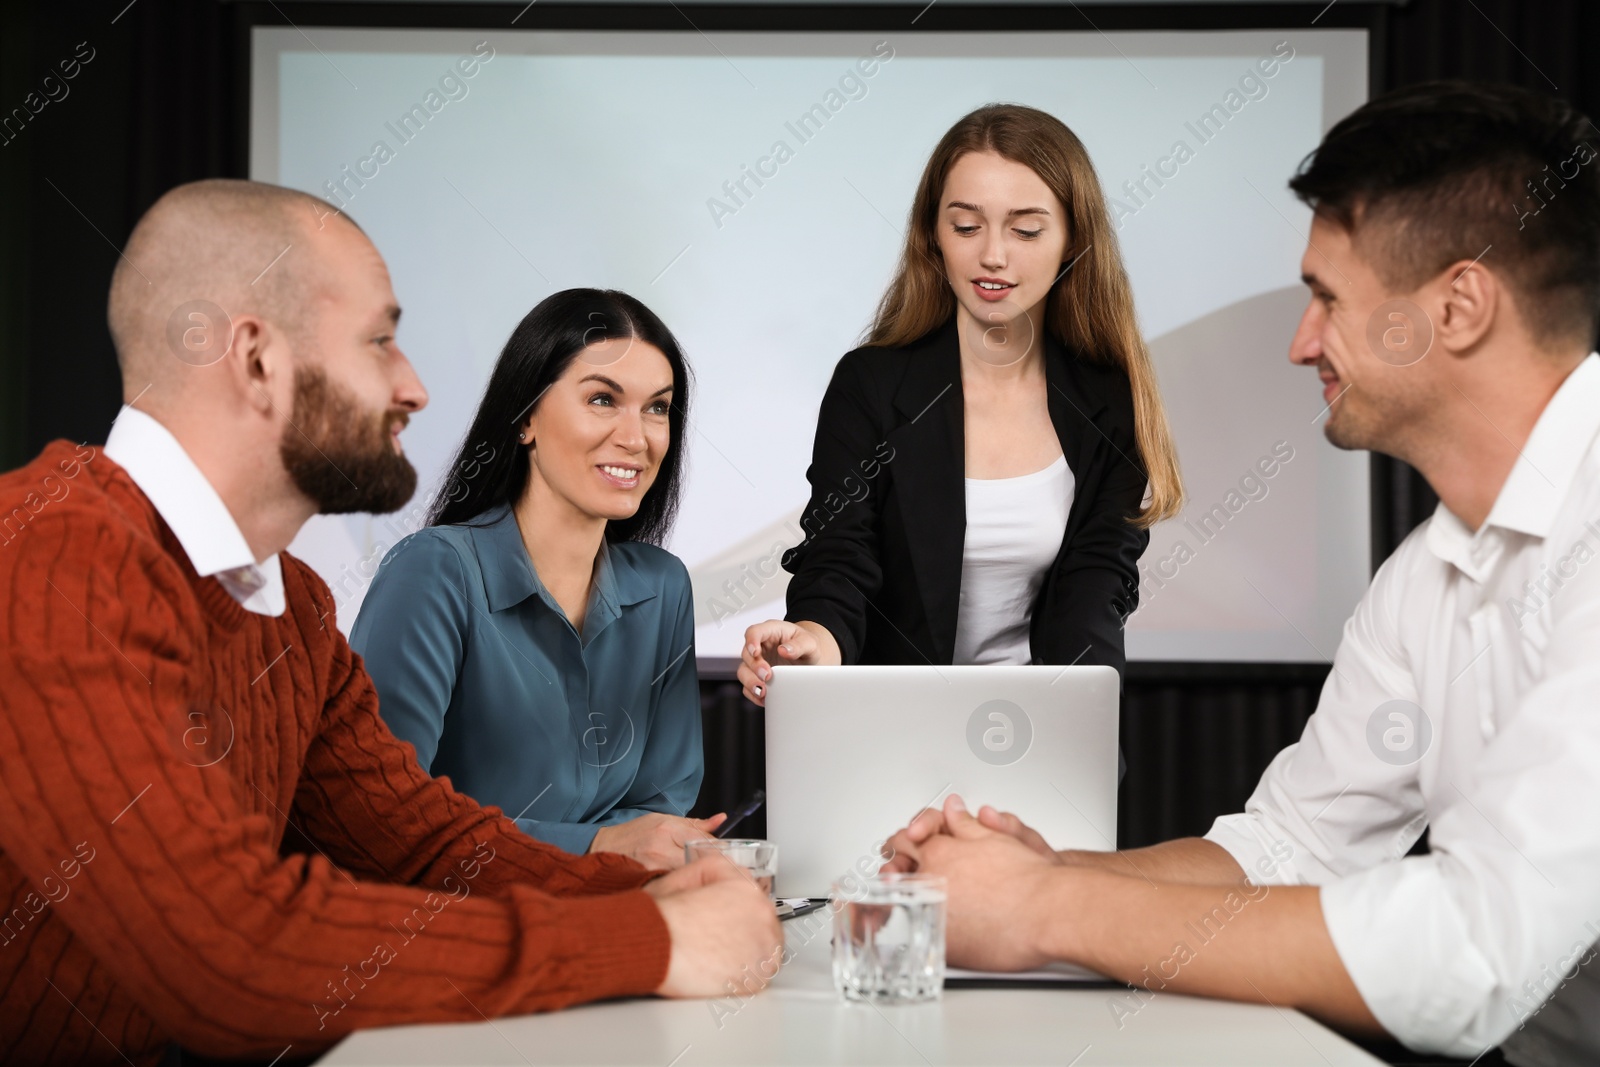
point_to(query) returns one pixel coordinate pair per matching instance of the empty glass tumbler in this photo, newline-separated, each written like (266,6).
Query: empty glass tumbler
(888,938)
(758,859)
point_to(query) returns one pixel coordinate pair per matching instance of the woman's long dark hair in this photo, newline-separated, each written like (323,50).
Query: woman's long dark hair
(491,467)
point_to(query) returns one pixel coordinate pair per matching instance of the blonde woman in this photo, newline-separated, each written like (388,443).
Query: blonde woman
(987,466)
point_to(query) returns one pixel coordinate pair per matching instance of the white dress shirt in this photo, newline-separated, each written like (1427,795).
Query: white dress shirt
(188,504)
(1495,635)
(1014,531)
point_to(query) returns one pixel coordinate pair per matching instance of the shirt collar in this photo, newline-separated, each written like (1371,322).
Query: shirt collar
(1543,473)
(509,577)
(189,505)
(1539,481)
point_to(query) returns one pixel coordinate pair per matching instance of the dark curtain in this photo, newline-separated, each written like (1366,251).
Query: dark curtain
(162,102)
(150,110)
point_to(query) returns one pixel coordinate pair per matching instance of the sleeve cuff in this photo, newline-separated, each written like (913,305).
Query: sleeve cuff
(610,946)
(1409,952)
(1264,860)
(823,614)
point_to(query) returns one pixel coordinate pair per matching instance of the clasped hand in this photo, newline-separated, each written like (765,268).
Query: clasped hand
(998,874)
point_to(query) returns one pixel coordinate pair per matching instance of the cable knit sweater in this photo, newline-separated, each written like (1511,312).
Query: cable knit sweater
(158,741)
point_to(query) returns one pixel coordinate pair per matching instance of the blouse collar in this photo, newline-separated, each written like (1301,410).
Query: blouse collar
(509,577)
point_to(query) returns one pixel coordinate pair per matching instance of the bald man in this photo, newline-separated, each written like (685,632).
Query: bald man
(173,702)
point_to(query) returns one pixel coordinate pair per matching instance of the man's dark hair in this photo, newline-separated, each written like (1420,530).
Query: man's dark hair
(1441,172)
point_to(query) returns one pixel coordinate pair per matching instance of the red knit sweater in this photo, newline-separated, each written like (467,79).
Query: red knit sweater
(156,737)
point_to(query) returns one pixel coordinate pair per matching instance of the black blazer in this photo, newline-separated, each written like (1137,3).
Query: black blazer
(880,565)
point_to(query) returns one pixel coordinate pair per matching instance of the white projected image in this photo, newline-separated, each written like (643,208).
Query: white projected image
(753,194)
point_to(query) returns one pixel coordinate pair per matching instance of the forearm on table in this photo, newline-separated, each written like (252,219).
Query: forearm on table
(1265,944)
(373,802)
(1184,861)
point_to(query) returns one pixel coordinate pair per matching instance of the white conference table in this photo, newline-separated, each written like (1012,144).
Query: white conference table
(800,1020)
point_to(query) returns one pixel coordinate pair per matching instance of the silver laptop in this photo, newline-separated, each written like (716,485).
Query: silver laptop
(854,752)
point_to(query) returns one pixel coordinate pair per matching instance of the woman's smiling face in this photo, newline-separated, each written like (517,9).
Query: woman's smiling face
(600,432)
(1003,235)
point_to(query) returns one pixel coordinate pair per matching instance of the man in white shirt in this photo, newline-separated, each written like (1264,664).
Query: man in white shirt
(1454,268)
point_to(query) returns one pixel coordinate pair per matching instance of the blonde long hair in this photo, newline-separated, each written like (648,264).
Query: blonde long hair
(1090,309)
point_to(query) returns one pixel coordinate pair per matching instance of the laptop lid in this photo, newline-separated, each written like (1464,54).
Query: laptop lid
(854,752)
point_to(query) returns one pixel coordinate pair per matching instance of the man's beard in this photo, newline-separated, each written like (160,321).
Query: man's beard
(341,456)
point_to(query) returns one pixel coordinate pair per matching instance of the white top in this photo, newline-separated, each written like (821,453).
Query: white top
(199,519)
(1495,634)
(1014,531)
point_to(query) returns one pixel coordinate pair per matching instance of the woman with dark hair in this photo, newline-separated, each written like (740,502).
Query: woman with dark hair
(987,466)
(534,642)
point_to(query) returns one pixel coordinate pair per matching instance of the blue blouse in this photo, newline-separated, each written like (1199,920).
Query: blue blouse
(479,668)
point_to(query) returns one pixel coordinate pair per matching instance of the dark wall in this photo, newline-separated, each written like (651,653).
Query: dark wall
(161,102)
(147,112)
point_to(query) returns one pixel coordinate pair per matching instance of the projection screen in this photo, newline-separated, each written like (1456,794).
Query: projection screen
(752,189)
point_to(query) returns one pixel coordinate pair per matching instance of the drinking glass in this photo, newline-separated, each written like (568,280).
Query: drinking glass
(758,859)
(888,938)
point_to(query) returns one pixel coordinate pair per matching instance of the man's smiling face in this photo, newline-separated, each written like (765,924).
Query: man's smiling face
(1367,344)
